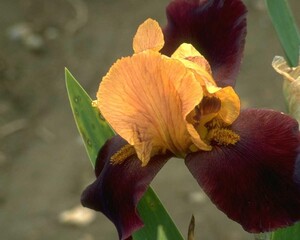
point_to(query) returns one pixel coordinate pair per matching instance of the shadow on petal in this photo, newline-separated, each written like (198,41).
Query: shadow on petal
(216,28)
(118,188)
(256,181)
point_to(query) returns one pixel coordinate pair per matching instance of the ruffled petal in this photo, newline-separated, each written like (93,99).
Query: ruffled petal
(194,61)
(146,98)
(256,182)
(216,28)
(118,188)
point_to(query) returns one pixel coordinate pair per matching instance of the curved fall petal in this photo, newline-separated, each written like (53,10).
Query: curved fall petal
(118,188)
(216,28)
(256,182)
(146,98)
(149,36)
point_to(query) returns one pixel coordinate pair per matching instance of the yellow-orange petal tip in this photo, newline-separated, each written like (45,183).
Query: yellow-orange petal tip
(148,36)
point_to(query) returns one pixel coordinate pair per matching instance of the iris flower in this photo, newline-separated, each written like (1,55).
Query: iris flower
(174,97)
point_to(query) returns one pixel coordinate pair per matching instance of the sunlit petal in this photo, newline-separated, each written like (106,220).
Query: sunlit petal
(146,99)
(187,51)
(193,60)
(149,36)
(230,104)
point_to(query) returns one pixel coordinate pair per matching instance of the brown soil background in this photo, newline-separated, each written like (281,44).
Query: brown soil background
(43,164)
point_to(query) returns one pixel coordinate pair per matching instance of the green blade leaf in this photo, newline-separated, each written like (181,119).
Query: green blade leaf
(290,233)
(286,29)
(158,224)
(94,131)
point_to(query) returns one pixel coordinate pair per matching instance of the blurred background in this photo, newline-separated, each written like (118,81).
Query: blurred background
(43,164)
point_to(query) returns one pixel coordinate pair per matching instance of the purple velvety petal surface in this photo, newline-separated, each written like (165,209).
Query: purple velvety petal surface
(256,181)
(118,188)
(217,28)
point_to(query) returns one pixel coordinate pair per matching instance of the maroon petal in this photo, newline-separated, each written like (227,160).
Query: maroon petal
(216,28)
(118,188)
(257,181)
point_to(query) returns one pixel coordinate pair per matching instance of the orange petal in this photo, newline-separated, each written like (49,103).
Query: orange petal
(148,36)
(196,138)
(146,99)
(188,52)
(185,50)
(230,104)
(193,60)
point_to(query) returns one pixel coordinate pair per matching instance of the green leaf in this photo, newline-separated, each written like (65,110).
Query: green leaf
(286,29)
(92,127)
(157,221)
(290,233)
(95,131)
(161,233)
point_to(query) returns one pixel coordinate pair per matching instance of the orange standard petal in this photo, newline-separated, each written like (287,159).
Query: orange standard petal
(157,103)
(230,105)
(149,36)
(146,99)
(194,61)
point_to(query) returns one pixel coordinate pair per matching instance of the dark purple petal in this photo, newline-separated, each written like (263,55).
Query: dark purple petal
(255,182)
(216,28)
(118,188)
